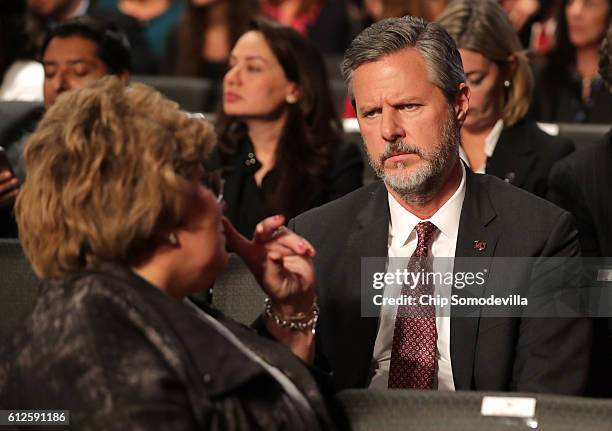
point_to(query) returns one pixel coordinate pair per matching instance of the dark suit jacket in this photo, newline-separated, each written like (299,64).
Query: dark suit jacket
(525,154)
(581,184)
(501,354)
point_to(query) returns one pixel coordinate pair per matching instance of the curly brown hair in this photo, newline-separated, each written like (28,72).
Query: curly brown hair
(107,167)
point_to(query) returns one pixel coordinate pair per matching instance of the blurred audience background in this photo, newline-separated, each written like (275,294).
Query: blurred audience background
(568,87)
(496,138)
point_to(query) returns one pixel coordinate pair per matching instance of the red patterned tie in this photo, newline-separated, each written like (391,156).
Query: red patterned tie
(415,338)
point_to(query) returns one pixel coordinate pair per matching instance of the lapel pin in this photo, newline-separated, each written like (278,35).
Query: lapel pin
(480,245)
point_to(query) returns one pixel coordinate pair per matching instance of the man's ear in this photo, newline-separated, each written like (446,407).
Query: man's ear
(462,103)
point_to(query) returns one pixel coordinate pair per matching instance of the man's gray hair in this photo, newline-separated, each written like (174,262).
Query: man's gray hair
(391,35)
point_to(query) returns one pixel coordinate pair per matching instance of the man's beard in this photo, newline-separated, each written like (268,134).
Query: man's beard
(424,181)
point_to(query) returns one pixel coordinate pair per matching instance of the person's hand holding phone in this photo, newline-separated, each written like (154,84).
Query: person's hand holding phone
(9,186)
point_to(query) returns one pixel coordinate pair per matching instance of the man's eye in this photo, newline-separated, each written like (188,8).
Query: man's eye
(409,106)
(81,71)
(49,72)
(253,69)
(370,114)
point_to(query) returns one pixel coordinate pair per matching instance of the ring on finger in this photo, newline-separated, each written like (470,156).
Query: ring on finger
(278,232)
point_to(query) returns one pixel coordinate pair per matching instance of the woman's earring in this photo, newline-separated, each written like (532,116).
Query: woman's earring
(172,238)
(507,83)
(291,99)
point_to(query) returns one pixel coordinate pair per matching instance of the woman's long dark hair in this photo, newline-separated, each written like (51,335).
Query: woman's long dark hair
(311,131)
(564,53)
(190,33)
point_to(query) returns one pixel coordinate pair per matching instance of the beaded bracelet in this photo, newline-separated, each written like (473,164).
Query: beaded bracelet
(298,322)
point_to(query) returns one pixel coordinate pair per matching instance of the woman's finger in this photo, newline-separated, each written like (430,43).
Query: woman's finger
(269,228)
(296,243)
(302,267)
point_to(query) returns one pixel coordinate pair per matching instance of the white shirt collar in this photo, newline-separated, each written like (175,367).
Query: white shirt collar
(490,144)
(402,222)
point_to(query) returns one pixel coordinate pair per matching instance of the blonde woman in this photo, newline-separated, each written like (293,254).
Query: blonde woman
(496,138)
(115,219)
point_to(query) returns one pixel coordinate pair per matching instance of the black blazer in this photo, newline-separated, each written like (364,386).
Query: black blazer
(582,184)
(525,154)
(245,202)
(497,354)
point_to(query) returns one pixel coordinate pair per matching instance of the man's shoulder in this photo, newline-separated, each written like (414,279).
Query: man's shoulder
(508,199)
(342,209)
(582,163)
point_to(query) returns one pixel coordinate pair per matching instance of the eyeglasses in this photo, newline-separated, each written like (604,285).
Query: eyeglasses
(214,182)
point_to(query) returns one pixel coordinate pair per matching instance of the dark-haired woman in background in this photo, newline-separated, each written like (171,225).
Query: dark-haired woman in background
(495,137)
(568,87)
(280,146)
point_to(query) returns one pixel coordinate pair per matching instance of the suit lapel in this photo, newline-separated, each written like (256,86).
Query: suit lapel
(476,242)
(514,155)
(368,245)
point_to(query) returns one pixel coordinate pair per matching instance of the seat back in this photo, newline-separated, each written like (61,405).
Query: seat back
(390,410)
(583,133)
(192,94)
(18,286)
(237,293)
(17,119)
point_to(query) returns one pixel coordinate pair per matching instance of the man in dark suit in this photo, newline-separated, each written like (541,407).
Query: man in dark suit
(581,184)
(410,96)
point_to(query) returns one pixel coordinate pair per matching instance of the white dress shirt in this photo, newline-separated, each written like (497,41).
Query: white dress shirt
(490,144)
(402,243)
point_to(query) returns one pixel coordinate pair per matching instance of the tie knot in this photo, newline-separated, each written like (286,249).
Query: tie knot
(425,232)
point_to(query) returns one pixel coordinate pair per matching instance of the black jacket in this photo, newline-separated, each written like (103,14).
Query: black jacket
(487,353)
(121,354)
(525,154)
(582,184)
(245,202)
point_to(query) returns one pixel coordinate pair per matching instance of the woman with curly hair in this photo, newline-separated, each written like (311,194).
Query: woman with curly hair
(116,220)
(280,147)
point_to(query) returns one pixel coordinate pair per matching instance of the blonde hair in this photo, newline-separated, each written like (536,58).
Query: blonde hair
(107,166)
(483,26)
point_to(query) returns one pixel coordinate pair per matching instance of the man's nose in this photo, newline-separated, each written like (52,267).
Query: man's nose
(391,127)
(60,82)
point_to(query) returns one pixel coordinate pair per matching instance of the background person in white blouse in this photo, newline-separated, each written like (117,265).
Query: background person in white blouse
(496,138)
